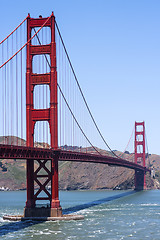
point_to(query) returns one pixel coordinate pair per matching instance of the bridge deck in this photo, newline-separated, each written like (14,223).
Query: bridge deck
(22,152)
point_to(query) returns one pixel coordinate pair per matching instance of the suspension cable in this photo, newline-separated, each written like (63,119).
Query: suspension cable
(76,120)
(13,31)
(68,103)
(26,43)
(82,92)
(147,148)
(127,143)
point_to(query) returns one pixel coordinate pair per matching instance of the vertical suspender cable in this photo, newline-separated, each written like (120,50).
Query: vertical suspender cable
(12,104)
(16,91)
(3,95)
(7,95)
(5,106)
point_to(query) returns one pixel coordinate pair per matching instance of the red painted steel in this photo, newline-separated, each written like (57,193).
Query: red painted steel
(32,153)
(40,49)
(40,79)
(29,124)
(34,115)
(140,178)
(38,22)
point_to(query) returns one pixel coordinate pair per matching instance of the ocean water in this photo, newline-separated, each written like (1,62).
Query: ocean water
(110,215)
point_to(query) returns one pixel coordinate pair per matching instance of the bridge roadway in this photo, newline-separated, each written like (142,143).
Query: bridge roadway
(32,153)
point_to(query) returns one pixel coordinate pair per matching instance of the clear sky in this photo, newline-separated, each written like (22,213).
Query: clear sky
(114,46)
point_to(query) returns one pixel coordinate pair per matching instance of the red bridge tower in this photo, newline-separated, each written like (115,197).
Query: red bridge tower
(140,178)
(33,115)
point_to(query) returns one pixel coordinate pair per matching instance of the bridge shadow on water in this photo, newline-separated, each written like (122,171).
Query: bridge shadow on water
(16,226)
(97,202)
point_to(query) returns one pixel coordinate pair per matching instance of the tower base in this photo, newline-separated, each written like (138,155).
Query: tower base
(140,180)
(43,212)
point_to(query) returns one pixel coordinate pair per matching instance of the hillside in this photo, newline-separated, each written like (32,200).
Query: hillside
(73,176)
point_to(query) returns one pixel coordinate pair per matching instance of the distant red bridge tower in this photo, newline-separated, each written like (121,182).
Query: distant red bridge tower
(33,115)
(140,177)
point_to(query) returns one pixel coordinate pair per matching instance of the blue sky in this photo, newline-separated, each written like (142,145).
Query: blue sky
(114,46)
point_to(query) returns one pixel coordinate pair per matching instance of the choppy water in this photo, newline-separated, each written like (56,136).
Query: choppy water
(108,215)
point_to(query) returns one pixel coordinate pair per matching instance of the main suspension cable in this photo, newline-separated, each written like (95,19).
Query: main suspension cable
(13,31)
(82,92)
(26,43)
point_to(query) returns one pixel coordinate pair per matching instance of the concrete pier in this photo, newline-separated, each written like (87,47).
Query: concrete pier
(62,218)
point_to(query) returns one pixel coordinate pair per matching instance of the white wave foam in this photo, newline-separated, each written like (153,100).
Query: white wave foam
(149,204)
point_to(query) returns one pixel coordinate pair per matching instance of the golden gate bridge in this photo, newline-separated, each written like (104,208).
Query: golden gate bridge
(43,106)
